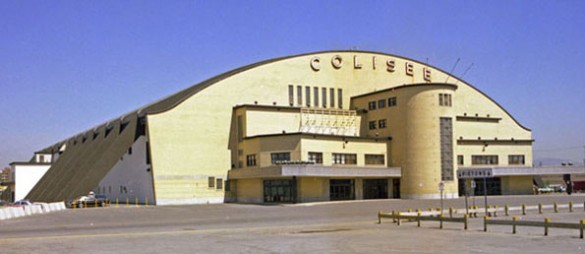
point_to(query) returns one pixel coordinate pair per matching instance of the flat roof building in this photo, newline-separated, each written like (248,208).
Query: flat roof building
(333,125)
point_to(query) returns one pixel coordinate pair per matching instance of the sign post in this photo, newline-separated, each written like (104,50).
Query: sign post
(472,173)
(441,189)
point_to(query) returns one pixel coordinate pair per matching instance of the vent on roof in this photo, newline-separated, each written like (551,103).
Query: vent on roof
(95,135)
(108,130)
(123,126)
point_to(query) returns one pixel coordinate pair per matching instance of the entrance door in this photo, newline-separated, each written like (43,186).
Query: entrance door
(376,189)
(341,189)
(395,188)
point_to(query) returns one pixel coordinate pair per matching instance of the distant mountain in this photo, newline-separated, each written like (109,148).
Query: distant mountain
(554,162)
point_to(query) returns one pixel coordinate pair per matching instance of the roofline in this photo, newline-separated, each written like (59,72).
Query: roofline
(195,88)
(449,85)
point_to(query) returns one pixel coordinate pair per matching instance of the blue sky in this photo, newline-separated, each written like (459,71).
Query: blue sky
(66,66)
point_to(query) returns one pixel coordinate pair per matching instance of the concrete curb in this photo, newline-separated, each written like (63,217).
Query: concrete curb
(16,212)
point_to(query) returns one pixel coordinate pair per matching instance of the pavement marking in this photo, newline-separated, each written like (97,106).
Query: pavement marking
(186,231)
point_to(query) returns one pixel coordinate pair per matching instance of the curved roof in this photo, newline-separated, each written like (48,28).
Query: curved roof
(91,154)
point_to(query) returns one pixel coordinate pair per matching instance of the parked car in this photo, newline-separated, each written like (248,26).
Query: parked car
(90,200)
(23,202)
(558,188)
(545,189)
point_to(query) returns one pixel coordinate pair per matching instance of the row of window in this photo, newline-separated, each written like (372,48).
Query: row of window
(380,124)
(380,104)
(323,100)
(317,158)
(213,182)
(492,160)
(445,100)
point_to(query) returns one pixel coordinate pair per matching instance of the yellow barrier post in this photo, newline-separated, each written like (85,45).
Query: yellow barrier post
(398,219)
(496,211)
(136,201)
(514,219)
(556,207)
(582,224)
(85,203)
(450,212)
(95,203)
(410,210)
(146,201)
(485,218)
(523,209)
(465,221)
(116,202)
(546,221)
(507,210)
(570,206)
(441,221)
(73,204)
(539,208)
(489,213)
(379,217)
(127,202)
(418,219)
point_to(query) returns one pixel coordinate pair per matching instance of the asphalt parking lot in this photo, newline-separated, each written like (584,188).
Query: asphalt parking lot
(340,227)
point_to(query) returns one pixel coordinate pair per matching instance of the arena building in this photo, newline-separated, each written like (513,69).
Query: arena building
(336,125)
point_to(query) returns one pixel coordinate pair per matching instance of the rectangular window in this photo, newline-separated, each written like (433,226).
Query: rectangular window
(344,158)
(332,97)
(219,183)
(211,182)
(392,102)
(484,160)
(339,98)
(299,95)
(446,139)
(308,95)
(445,100)
(324,95)
(316,158)
(251,160)
(371,105)
(372,125)
(515,159)
(460,160)
(316,94)
(240,127)
(381,103)
(382,123)
(279,158)
(374,159)
(291,95)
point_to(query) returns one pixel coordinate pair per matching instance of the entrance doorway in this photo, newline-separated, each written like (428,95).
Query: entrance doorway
(375,188)
(395,188)
(341,189)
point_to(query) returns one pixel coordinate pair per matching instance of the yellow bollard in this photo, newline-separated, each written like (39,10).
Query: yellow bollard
(465,221)
(418,219)
(379,217)
(514,219)
(546,221)
(485,218)
(85,204)
(496,211)
(441,221)
(582,224)
(136,201)
(398,219)
(523,209)
(556,207)
(146,201)
(95,203)
(507,210)
(127,202)
(73,204)
(539,208)
(570,206)
(116,202)
(450,212)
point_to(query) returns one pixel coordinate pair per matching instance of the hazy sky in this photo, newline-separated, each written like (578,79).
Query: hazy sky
(66,66)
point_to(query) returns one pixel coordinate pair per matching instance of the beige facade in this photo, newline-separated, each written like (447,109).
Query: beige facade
(199,141)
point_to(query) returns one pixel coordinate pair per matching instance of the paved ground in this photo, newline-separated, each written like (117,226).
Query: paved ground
(345,227)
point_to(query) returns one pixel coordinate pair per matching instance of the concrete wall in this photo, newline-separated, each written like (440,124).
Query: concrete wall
(26,177)
(130,178)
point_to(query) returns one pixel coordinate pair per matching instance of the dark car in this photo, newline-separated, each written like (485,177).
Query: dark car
(89,201)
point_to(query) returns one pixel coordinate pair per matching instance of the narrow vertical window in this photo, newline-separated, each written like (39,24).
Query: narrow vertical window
(340,98)
(316,94)
(308,95)
(299,95)
(324,96)
(291,96)
(240,127)
(332,97)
